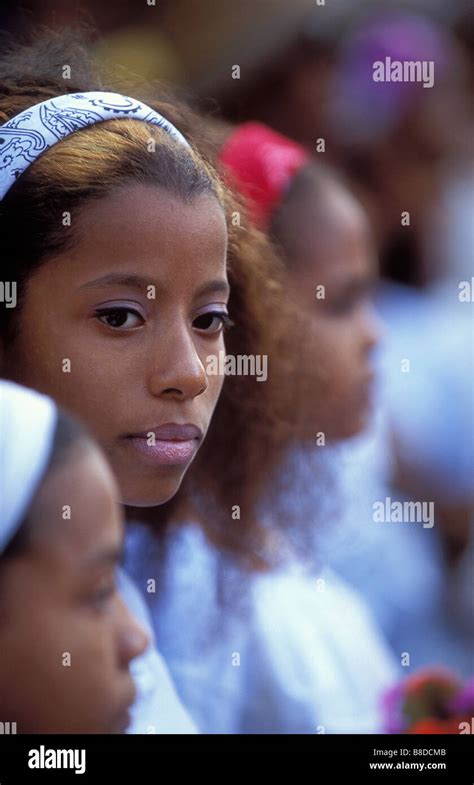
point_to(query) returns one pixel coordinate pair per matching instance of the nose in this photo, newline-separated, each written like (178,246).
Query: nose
(177,370)
(132,637)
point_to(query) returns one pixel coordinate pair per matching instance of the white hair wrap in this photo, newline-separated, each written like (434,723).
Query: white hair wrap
(27,427)
(26,136)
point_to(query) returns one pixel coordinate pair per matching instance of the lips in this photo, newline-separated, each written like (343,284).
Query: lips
(169,444)
(172,432)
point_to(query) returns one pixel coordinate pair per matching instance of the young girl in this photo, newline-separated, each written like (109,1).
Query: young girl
(123,281)
(66,637)
(294,655)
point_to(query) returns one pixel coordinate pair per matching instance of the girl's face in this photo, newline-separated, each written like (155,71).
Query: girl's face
(66,639)
(334,252)
(119,330)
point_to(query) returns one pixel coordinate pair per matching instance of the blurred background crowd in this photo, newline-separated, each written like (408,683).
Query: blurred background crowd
(406,154)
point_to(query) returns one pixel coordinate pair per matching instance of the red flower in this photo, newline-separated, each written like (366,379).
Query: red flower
(433,677)
(435,726)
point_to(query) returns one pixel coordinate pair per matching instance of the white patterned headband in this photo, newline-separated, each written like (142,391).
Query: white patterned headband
(26,136)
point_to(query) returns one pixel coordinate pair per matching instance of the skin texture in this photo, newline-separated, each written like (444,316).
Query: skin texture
(330,245)
(66,574)
(150,368)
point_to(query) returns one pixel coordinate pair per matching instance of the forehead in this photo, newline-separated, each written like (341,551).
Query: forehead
(333,235)
(153,230)
(139,230)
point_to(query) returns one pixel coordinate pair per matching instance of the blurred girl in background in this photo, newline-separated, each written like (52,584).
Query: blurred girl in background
(423,611)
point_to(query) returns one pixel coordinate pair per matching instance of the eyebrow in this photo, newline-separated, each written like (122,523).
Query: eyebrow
(117,279)
(218,286)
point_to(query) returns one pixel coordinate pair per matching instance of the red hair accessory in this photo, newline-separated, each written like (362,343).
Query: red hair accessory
(262,164)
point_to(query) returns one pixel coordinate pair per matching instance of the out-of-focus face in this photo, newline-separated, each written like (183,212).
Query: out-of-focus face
(66,638)
(119,329)
(332,249)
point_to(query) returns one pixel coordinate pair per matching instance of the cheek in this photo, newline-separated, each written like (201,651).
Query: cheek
(87,389)
(45,638)
(91,636)
(78,657)
(215,381)
(214,389)
(337,352)
(79,371)
(330,337)
(49,350)
(75,638)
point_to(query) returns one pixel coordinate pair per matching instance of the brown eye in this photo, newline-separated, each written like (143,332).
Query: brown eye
(212,322)
(119,318)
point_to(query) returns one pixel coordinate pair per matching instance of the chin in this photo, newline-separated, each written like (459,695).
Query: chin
(152,494)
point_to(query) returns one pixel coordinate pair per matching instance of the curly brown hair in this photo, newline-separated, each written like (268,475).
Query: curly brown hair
(254,424)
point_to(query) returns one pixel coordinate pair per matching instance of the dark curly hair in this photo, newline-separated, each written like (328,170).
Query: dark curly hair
(254,424)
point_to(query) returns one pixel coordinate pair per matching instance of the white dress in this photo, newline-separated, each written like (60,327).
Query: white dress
(157,708)
(273,653)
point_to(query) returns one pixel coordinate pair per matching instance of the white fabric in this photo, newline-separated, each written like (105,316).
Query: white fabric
(276,653)
(431,405)
(422,605)
(27,425)
(157,708)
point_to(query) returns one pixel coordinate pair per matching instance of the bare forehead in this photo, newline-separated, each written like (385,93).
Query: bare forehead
(142,232)
(145,217)
(333,222)
(337,205)
(138,200)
